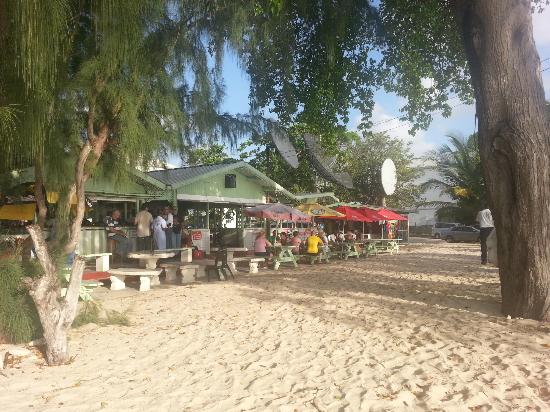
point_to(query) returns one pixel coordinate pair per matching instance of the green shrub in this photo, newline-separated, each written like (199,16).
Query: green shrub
(19,320)
(91,313)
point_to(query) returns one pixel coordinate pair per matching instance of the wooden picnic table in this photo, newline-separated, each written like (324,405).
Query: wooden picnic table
(283,254)
(345,250)
(379,245)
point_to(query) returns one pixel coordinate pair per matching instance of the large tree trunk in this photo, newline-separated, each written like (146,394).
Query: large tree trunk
(56,313)
(39,193)
(514,142)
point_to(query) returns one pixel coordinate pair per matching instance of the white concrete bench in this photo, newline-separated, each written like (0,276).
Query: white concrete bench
(189,273)
(101,261)
(186,253)
(170,270)
(147,278)
(253,263)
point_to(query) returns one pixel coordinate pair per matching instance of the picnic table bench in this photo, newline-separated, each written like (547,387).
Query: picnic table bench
(147,278)
(283,254)
(382,245)
(101,261)
(345,250)
(189,272)
(253,263)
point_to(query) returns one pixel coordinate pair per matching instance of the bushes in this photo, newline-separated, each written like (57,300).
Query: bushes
(91,313)
(19,321)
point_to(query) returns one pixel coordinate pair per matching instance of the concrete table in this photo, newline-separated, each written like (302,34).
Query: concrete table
(150,261)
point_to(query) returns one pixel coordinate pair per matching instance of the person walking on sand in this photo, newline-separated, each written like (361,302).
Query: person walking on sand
(486,226)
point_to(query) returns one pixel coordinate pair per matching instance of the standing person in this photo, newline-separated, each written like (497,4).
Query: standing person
(143,222)
(114,232)
(486,226)
(176,233)
(159,231)
(169,217)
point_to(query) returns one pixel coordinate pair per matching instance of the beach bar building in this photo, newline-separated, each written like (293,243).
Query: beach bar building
(209,200)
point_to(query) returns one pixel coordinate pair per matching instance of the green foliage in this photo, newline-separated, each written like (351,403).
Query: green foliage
(91,312)
(458,166)
(207,155)
(18,318)
(363,159)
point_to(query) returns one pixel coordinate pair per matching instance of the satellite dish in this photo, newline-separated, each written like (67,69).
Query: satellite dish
(284,146)
(388,176)
(324,164)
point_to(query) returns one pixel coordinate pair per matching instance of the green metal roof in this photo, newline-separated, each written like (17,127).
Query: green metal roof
(175,177)
(185,175)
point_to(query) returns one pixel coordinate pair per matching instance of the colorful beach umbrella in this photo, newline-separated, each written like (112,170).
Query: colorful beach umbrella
(349,214)
(277,211)
(381,214)
(317,210)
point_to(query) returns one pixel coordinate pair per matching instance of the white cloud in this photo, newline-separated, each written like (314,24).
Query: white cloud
(541,28)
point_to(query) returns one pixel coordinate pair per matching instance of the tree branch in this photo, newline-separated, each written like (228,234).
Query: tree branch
(73,290)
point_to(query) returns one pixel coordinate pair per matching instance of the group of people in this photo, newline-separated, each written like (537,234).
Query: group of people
(165,230)
(315,242)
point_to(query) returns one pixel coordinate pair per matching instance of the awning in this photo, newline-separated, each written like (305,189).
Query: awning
(317,210)
(381,214)
(23,211)
(349,214)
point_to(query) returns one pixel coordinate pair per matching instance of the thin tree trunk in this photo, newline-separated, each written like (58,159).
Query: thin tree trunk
(39,194)
(514,140)
(56,313)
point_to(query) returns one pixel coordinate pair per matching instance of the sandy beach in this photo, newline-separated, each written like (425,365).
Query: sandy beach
(420,330)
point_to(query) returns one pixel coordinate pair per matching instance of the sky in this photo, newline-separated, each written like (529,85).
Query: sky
(462,120)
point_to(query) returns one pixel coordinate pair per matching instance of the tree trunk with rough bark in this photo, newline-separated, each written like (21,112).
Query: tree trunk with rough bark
(514,140)
(56,312)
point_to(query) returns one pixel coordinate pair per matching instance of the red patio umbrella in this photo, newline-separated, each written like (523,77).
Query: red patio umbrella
(390,215)
(381,214)
(277,211)
(371,214)
(349,214)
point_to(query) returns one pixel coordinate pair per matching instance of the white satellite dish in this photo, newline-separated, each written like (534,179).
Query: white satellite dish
(388,176)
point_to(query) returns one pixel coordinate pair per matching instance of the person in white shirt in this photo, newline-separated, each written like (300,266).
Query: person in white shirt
(159,231)
(169,223)
(143,222)
(486,226)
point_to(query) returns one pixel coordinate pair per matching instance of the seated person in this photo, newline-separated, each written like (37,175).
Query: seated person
(313,242)
(296,241)
(350,236)
(114,232)
(283,239)
(324,238)
(274,238)
(261,244)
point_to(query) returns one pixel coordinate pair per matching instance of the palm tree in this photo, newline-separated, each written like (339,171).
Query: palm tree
(458,166)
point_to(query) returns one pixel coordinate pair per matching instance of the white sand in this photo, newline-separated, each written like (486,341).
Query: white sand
(418,330)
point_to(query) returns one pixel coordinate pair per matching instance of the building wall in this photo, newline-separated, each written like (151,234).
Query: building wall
(247,188)
(105,185)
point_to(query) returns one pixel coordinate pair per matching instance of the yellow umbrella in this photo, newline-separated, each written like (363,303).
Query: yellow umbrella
(317,210)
